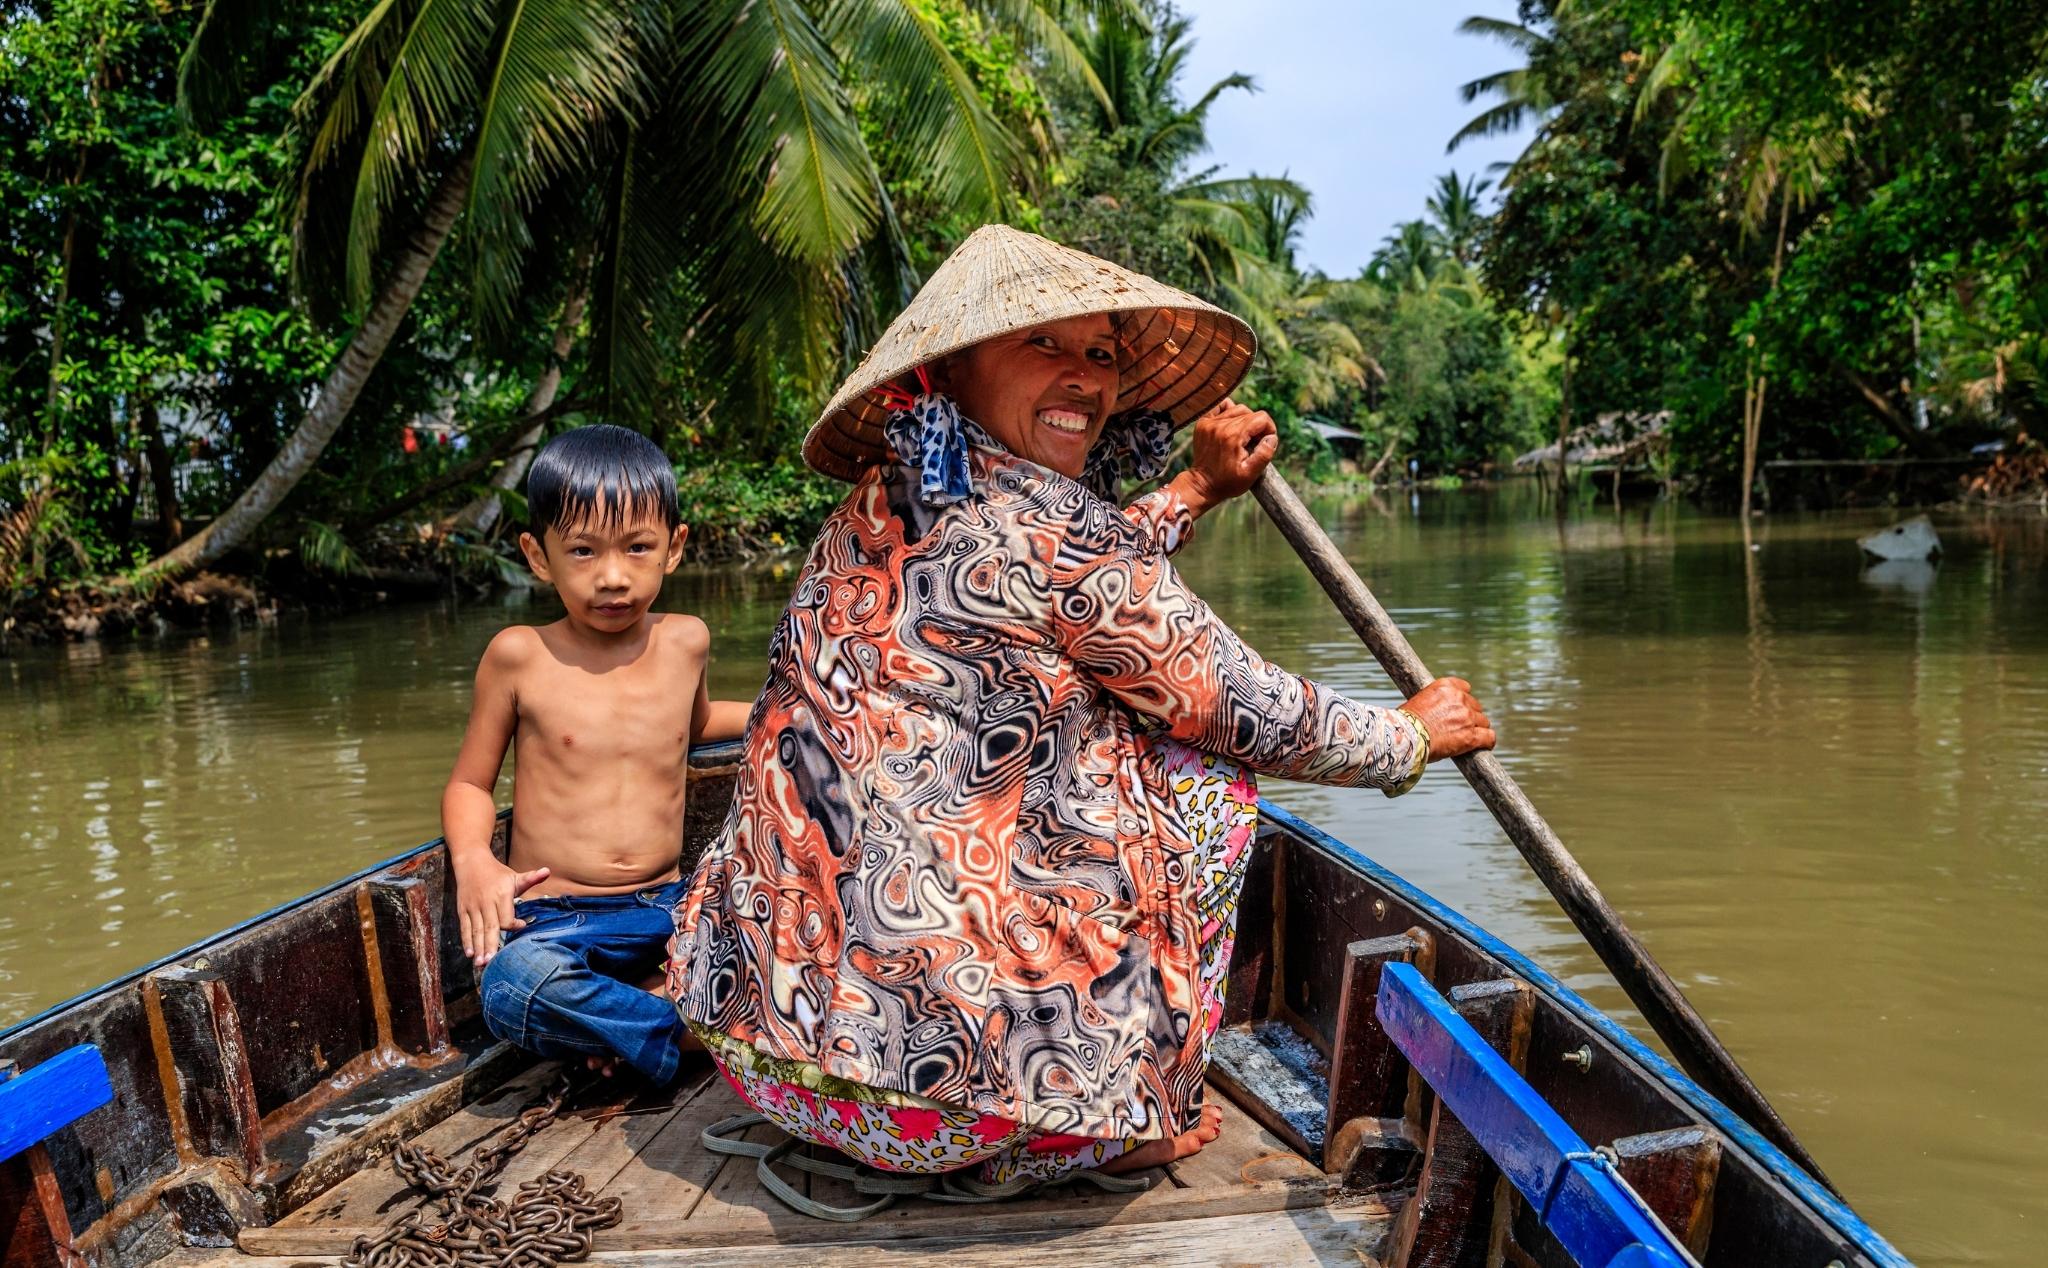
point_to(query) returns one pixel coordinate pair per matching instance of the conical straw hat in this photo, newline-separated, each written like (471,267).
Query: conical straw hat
(1178,355)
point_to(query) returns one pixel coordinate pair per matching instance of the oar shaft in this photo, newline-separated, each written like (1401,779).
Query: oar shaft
(1683,1030)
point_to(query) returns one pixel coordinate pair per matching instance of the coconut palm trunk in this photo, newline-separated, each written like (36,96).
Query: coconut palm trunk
(481,515)
(344,382)
(1756,385)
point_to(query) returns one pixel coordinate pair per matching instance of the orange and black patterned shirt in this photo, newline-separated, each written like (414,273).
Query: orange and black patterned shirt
(951,868)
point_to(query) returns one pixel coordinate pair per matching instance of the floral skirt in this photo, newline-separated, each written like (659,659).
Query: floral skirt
(1218,802)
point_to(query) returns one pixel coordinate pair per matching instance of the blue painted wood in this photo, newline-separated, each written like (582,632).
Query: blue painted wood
(1734,1131)
(1578,1200)
(55,1094)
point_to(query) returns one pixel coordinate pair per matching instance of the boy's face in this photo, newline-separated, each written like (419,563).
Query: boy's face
(607,577)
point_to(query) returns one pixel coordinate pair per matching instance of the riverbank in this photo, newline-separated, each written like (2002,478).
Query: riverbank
(744,516)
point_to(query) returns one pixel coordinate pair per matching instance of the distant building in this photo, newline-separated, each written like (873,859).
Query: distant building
(1346,442)
(1617,437)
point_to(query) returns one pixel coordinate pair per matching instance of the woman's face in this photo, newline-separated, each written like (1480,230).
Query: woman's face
(1044,392)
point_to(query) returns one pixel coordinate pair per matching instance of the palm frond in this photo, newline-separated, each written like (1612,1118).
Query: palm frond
(767,65)
(213,69)
(1038,23)
(324,549)
(561,72)
(424,98)
(937,108)
(1513,34)
(1494,121)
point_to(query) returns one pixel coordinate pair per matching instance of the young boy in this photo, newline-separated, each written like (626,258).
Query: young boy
(602,707)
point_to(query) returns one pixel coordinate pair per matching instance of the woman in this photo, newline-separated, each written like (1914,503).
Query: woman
(975,899)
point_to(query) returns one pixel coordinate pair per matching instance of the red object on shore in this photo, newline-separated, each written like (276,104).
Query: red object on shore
(411,441)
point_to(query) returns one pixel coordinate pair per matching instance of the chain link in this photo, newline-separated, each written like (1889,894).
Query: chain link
(549,1221)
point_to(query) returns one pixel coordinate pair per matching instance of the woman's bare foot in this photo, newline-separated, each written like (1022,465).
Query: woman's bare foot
(607,1066)
(1158,1153)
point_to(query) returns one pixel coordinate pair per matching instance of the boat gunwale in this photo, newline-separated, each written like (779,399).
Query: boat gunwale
(1769,1159)
(721,752)
(1838,1214)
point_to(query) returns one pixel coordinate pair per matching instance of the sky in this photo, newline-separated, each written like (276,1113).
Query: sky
(1356,100)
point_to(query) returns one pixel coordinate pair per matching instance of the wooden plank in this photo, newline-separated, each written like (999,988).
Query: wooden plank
(404,917)
(29,1236)
(1369,1078)
(369,1198)
(664,1190)
(205,1064)
(1674,1172)
(53,1094)
(667,1179)
(1245,1154)
(736,1202)
(1458,1217)
(1324,1236)
(1078,1210)
(1549,1163)
(581,1117)
(623,1137)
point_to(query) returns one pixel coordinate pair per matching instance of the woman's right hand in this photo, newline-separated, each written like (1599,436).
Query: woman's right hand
(1457,724)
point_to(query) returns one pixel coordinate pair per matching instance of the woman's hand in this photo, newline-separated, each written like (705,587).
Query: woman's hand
(1457,724)
(1232,446)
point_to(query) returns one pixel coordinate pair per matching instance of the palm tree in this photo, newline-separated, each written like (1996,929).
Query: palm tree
(1138,65)
(1455,208)
(1523,91)
(1225,224)
(1409,257)
(1787,169)
(706,155)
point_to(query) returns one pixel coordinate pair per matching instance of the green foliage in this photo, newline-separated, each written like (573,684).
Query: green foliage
(1844,199)
(323,548)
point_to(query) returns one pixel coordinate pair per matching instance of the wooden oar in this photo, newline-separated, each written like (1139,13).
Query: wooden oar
(1648,985)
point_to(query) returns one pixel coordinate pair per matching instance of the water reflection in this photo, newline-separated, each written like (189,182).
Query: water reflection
(1815,788)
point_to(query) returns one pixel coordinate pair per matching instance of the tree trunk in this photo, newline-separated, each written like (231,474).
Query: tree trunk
(1893,416)
(162,481)
(338,393)
(1386,456)
(481,515)
(1756,385)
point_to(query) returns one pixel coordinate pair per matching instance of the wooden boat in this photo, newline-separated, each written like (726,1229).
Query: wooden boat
(1399,1087)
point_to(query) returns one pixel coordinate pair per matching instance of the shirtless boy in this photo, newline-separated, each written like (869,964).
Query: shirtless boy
(601,708)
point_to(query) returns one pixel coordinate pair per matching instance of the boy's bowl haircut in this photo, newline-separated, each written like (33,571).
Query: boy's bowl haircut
(603,476)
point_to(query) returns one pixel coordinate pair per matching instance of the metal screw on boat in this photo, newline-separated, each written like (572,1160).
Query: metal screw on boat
(1581,1056)
(1379,908)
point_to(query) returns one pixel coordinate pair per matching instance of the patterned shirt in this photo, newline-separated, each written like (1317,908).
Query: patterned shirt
(952,867)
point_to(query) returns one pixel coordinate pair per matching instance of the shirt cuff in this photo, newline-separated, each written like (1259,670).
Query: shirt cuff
(1421,733)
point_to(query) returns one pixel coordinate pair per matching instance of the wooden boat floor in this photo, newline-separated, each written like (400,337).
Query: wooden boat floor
(1246,1198)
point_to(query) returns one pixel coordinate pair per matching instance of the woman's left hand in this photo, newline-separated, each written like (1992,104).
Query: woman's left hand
(1233,445)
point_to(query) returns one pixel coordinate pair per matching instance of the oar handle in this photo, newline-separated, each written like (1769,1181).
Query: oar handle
(1682,1029)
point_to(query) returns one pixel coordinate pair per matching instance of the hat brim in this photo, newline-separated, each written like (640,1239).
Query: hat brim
(1176,354)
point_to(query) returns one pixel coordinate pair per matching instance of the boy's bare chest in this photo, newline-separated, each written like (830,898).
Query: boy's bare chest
(637,712)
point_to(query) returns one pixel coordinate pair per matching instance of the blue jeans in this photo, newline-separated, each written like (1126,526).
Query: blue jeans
(567,985)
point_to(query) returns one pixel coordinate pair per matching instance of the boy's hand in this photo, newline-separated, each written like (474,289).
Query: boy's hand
(485,890)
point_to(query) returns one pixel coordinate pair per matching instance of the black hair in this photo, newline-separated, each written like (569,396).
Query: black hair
(599,474)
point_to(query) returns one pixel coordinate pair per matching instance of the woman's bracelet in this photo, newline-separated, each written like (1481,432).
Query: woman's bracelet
(1421,752)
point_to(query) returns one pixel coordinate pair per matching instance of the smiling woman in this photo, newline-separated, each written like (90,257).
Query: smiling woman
(974,904)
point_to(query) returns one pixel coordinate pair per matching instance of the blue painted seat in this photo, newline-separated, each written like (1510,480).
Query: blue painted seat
(53,1095)
(1574,1190)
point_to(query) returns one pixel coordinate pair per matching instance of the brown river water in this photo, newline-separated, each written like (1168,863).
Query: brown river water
(1818,790)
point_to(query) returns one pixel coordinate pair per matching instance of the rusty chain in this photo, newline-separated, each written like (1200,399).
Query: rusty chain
(549,1221)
